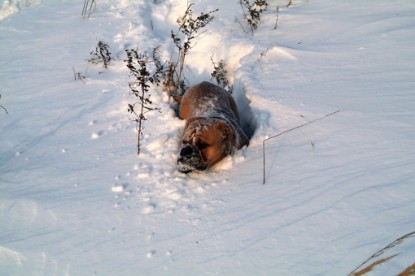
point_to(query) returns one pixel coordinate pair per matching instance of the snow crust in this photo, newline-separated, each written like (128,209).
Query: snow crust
(75,199)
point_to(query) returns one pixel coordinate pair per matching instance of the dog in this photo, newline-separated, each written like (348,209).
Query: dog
(212,130)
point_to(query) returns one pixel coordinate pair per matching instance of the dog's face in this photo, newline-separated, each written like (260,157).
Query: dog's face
(205,142)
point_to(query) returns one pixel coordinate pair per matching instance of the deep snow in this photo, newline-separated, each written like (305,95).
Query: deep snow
(75,199)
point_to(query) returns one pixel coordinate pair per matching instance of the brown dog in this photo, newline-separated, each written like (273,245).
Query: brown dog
(212,130)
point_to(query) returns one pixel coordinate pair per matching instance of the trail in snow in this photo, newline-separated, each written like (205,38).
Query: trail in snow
(77,200)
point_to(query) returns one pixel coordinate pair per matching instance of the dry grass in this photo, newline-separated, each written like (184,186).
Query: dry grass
(409,271)
(372,266)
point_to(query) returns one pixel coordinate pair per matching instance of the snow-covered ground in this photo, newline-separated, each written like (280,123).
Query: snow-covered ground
(75,199)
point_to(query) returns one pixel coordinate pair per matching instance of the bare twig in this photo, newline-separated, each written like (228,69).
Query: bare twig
(245,16)
(243,29)
(263,54)
(78,75)
(4,107)
(284,132)
(277,12)
(87,9)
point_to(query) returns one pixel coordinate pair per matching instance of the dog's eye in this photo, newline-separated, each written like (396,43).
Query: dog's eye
(201,145)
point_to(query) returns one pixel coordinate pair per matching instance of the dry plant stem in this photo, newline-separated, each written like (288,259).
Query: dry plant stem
(183,52)
(84,8)
(87,9)
(78,75)
(243,29)
(284,132)
(263,54)
(140,126)
(74,73)
(245,16)
(277,12)
(4,107)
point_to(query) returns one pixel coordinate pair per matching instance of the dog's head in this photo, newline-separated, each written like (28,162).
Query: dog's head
(205,142)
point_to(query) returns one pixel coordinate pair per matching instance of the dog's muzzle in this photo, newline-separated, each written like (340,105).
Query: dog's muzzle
(190,159)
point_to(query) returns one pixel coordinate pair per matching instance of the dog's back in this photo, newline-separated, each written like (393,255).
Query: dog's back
(208,100)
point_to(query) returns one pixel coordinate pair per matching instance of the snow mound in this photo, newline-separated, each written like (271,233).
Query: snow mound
(9,7)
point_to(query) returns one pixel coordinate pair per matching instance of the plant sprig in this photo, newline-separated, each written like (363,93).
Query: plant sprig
(221,75)
(189,28)
(139,85)
(101,54)
(252,12)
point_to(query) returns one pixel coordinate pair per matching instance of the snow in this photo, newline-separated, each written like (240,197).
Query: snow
(9,7)
(75,199)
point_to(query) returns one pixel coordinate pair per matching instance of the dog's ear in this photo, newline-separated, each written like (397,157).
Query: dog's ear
(227,134)
(177,98)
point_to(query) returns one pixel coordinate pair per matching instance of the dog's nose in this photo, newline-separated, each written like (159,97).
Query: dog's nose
(187,150)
